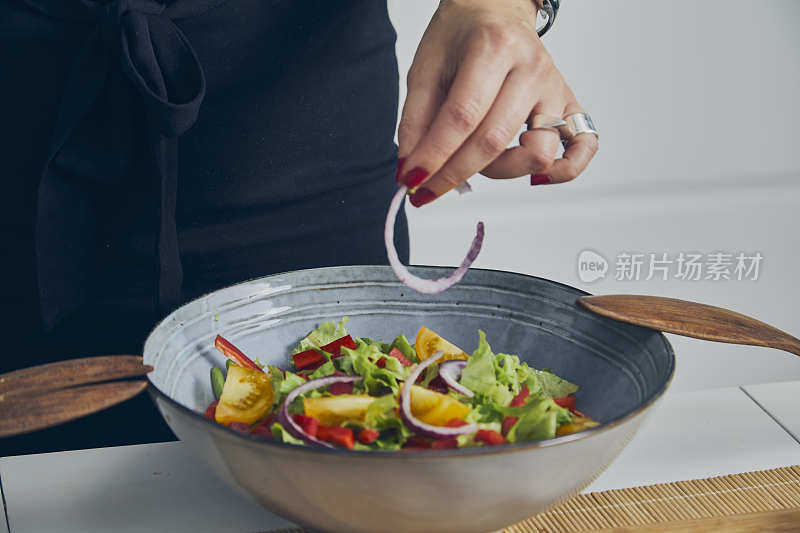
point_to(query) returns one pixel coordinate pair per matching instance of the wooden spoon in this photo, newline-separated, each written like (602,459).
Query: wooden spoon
(690,319)
(47,395)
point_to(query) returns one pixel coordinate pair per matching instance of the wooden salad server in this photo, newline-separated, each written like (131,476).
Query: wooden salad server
(46,395)
(690,319)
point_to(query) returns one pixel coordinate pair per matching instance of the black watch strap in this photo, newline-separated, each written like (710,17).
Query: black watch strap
(549,10)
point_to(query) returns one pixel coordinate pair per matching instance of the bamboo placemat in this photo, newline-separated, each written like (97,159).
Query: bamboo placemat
(763,501)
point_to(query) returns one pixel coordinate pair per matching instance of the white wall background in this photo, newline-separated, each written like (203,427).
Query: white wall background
(698,110)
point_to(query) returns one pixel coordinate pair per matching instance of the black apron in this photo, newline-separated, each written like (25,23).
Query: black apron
(156,151)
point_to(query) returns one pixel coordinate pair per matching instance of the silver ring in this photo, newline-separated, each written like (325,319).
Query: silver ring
(547,122)
(567,127)
(578,123)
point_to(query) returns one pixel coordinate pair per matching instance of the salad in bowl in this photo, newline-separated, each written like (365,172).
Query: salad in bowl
(339,390)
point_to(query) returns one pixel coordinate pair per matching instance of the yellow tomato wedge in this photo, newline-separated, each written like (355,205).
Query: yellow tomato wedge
(246,396)
(577,424)
(336,410)
(435,408)
(429,342)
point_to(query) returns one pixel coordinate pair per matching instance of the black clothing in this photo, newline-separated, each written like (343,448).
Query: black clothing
(158,151)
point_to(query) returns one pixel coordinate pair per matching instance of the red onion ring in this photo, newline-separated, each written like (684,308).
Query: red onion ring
(450,371)
(286,420)
(425,286)
(418,426)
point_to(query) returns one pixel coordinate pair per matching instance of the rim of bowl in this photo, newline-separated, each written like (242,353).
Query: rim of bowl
(197,416)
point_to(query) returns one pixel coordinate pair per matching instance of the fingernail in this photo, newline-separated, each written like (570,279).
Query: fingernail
(414,177)
(421,197)
(400,162)
(540,179)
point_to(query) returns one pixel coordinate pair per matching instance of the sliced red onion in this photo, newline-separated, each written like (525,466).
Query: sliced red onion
(450,371)
(418,426)
(293,427)
(464,188)
(425,286)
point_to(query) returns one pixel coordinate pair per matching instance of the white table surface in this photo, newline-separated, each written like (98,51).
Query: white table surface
(701,434)
(780,400)
(159,487)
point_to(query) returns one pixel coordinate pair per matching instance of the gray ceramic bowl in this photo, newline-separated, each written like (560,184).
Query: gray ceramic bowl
(622,371)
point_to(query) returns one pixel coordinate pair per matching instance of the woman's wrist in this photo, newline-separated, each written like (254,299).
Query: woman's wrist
(542,13)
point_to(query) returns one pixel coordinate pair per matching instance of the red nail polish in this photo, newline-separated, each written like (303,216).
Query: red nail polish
(400,162)
(421,197)
(540,179)
(414,177)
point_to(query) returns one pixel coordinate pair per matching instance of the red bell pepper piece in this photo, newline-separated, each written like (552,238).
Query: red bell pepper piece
(337,435)
(263,427)
(262,431)
(417,443)
(308,360)
(309,424)
(232,352)
(211,410)
(335,348)
(519,399)
(341,388)
(489,437)
(445,444)
(313,359)
(368,436)
(508,423)
(456,423)
(397,354)
(241,427)
(568,402)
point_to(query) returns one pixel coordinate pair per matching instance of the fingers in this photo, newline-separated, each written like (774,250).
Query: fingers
(537,148)
(470,97)
(518,161)
(423,99)
(579,151)
(576,157)
(490,138)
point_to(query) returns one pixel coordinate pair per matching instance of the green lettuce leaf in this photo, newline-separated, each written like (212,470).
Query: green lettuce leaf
(380,410)
(485,412)
(548,384)
(429,375)
(479,374)
(538,419)
(325,333)
(282,435)
(281,385)
(393,434)
(382,415)
(363,362)
(402,344)
(324,370)
(382,346)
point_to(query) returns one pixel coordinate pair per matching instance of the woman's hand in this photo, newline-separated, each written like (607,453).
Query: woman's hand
(479,74)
